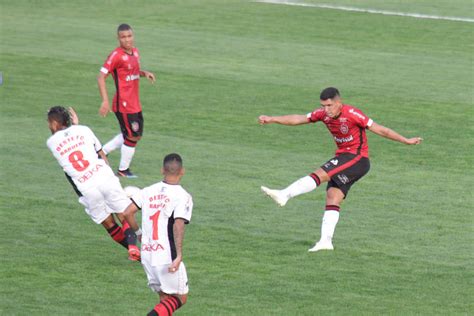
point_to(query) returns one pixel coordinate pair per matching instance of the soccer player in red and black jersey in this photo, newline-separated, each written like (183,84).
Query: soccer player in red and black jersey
(347,125)
(124,65)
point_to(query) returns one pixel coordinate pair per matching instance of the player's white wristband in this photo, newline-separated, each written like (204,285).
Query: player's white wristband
(138,232)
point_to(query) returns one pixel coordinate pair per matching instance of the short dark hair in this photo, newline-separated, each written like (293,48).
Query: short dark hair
(329,93)
(172,164)
(59,114)
(124,27)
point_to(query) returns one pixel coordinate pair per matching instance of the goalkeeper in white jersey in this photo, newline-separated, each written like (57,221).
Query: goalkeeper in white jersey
(166,208)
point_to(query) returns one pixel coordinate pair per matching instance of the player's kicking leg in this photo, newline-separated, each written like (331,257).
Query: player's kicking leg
(300,186)
(123,236)
(131,240)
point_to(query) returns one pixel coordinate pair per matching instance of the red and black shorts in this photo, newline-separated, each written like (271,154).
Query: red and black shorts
(344,170)
(131,124)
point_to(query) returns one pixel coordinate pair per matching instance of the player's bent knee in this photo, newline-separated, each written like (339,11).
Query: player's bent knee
(131,141)
(323,176)
(183,298)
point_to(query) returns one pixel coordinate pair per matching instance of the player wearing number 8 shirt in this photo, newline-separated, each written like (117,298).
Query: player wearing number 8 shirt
(348,126)
(166,208)
(77,151)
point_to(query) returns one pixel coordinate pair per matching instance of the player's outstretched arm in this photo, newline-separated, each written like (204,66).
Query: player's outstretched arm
(178,231)
(104,107)
(391,134)
(149,75)
(293,119)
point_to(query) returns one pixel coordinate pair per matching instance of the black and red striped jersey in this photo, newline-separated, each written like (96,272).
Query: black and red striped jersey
(125,69)
(348,129)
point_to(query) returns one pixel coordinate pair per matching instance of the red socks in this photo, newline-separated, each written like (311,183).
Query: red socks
(166,307)
(116,232)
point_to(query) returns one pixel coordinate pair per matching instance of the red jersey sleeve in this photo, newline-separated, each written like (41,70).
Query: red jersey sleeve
(316,115)
(360,118)
(111,63)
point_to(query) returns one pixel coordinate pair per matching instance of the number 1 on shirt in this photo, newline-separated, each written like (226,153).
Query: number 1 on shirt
(154,219)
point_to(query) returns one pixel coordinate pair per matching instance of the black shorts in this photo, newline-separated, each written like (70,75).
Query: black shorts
(344,170)
(131,124)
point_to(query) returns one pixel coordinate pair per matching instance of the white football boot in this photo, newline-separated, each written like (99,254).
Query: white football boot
(276,195)
(322,246)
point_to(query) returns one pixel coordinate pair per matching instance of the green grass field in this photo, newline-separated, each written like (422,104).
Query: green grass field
(404,243)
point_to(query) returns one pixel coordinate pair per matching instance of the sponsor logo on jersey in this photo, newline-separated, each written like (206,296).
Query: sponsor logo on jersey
(86,176)
(132,77)
(343,139)
(124,57)
(356,114)
(344,128)
(152,247)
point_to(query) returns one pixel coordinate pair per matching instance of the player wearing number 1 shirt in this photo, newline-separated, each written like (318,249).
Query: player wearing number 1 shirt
(166,208)
(348,126)
(77,151)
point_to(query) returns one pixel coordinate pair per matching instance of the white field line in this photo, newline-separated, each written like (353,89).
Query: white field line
(373,11)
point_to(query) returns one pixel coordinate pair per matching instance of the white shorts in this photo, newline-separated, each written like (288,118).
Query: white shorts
(160,280)
(105,199)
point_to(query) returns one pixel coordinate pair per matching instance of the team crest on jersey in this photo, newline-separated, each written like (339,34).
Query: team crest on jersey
(344,128)
(135,126)
(124,57)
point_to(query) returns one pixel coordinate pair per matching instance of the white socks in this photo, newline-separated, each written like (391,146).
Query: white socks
(127,153)
(300,186)
(328,226)
(113,144)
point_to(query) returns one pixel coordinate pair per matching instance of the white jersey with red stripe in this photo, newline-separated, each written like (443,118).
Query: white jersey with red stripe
(161,204)
(75,148)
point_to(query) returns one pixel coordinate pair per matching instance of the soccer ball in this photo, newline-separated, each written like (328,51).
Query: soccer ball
(131,191)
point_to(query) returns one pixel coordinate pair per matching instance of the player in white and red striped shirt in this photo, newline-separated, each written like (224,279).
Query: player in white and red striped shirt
(347,125)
